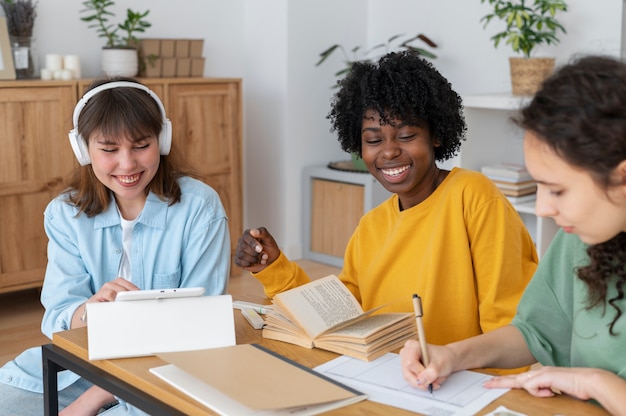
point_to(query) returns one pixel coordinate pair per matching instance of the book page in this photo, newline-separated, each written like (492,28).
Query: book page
(319,305)
(367,330)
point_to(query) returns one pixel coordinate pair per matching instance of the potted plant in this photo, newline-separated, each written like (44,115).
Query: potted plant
(20,15)
(119,55)
(527,26)
(371,55)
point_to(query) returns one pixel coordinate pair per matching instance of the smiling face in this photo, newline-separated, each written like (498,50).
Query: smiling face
(401,157)
(125,166)
(571,196)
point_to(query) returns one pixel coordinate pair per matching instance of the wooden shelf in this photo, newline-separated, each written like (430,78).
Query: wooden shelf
(492,137)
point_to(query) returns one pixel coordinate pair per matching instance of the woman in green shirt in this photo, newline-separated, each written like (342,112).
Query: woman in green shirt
(570,317)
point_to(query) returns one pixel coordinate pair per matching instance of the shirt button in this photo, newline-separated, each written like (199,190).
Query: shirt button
(118,251)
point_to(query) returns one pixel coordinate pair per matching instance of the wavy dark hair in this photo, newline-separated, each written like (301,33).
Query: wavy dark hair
(121,112)
(580,113)
(401,86)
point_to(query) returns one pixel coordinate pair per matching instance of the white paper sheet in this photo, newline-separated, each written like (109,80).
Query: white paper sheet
(462,393)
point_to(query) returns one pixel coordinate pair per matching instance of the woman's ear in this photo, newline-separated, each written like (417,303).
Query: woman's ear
(620,172)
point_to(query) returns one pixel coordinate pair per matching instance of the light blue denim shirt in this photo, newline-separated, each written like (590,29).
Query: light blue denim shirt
(183,245)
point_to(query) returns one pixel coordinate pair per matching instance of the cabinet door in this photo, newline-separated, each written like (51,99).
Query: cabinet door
(206,125)
(35,158)
(335,213)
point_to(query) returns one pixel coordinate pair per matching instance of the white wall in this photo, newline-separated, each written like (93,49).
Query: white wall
(466,55)
(273,46)
(58,29)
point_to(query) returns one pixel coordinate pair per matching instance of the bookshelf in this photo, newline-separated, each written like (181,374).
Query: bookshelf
(492,138)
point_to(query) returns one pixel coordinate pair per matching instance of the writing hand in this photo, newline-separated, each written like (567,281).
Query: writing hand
(256,249)
(414,371)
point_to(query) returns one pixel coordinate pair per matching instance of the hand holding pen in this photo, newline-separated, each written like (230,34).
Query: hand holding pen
(417,307)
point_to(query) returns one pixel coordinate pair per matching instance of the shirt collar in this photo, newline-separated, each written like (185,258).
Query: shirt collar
(153,215)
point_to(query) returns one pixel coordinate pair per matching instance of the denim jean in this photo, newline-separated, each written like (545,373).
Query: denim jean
(19,402)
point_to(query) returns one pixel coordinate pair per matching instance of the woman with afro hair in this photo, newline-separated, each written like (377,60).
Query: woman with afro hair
(449,236)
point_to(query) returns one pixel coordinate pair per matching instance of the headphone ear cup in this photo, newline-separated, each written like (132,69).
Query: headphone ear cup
(165,138)
(79,147)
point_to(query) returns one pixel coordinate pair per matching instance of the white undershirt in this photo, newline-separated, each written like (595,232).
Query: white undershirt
(125,270)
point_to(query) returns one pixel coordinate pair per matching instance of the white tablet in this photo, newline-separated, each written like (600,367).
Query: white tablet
(179,292)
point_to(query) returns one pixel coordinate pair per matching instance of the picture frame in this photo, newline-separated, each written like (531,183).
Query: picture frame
(7,70)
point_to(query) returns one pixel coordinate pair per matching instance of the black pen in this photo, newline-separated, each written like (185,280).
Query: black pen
(417,306)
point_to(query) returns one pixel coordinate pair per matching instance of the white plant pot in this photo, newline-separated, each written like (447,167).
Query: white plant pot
(120,62)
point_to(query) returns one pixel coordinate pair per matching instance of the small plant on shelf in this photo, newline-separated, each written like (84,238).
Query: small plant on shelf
(527,25)
(97,15)
(20,15)
(395,42)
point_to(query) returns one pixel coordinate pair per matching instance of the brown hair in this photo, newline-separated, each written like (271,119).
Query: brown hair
(121,112)
(579,113)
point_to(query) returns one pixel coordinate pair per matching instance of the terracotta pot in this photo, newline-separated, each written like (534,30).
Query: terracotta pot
(527,74)
(120,62)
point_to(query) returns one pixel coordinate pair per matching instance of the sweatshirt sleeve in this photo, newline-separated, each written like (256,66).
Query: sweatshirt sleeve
(283,274)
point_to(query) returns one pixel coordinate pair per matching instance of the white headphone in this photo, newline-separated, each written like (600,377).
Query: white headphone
(79,144)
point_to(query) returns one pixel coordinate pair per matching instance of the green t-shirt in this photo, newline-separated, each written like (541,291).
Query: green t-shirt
(552,315)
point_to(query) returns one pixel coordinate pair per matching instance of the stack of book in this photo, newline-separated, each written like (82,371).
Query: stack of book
(513,180)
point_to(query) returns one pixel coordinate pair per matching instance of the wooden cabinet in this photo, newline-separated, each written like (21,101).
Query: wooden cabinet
(206,130)
(334,202)
(35,118)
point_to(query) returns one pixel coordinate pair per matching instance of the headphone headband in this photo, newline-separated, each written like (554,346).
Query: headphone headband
(79,144)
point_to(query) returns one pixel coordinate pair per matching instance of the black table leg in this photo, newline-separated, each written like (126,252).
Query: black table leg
(50,390)
(56,359)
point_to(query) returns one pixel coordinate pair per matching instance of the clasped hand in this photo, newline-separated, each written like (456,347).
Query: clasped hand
(256,249)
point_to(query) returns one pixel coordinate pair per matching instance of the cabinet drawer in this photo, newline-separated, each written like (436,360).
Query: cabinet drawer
(335,212)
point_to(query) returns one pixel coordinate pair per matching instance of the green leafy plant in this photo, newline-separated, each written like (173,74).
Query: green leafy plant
(527,25)
(395,42)
(20,16)
(98,13)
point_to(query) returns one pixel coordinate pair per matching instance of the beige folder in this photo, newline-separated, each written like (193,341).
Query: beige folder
(249,379)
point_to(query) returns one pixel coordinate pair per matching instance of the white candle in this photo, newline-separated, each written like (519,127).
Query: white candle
(57,74)
(67,74)
(54,62)
(72,62)
(46,74)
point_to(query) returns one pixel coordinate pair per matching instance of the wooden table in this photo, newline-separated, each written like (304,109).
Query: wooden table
(131,376)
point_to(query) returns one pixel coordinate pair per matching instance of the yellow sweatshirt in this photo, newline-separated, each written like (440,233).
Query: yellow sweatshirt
(464,250)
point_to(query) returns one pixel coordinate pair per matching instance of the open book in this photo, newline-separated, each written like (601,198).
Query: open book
(325,314)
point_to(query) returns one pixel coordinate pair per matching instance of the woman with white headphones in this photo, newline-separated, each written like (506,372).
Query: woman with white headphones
(130,218)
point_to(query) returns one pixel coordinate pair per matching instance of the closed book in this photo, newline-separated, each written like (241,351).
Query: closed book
(507,170)
(520,192)
(514,185)
(522,199)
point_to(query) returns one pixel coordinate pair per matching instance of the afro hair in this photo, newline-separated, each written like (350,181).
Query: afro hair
(401,86)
